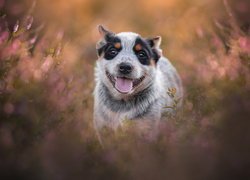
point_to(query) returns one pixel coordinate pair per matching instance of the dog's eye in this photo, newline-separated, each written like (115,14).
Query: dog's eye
(143,57)
(142,54)
(112,52)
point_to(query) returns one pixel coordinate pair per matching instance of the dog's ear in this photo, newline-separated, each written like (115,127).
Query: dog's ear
(155,44)
(103,31)
(106,35)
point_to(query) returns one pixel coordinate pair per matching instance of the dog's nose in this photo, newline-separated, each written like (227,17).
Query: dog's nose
(125,68)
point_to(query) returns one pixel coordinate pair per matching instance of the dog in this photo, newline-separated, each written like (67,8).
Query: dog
(134,82)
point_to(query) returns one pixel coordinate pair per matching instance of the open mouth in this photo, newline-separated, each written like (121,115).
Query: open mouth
(122,84)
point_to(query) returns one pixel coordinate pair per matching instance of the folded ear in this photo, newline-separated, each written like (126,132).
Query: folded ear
(106,35)
(104,32)
(155,44)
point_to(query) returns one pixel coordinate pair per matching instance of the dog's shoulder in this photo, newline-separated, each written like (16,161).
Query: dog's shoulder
(165,65)
(170,77)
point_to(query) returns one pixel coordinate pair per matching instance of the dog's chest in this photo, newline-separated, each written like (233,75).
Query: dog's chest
(116,119)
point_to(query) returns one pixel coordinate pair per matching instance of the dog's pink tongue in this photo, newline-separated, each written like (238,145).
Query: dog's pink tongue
(124,85)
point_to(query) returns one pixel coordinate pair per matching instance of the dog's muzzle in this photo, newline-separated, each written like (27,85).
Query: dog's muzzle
(124,84)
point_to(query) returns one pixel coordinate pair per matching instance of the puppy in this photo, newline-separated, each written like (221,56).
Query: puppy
(134,82)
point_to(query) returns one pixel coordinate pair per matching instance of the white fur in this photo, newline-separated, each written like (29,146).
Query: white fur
(162,77)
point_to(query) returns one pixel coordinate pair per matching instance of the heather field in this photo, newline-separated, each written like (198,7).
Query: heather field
(47,59)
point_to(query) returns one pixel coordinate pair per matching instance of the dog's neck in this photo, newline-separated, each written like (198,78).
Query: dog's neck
(142,98)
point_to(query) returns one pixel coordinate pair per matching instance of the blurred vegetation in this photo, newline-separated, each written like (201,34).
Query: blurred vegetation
(47,57)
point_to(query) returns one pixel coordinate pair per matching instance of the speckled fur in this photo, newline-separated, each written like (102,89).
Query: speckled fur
(146,102)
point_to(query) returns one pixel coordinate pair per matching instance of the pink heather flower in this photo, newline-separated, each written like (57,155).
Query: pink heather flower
(216,42)
(199,32)
(28,22)
(47,64)
(8,108)
(16,27)
(4,36)
(244,44)
(37,74)
(15,45)
(2,3)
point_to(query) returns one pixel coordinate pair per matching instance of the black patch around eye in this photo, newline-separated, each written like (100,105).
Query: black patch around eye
(111,40)
(143,57)
(145,49)
(111,52)
(155,54)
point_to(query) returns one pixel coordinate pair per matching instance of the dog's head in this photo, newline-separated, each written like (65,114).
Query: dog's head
(127,62)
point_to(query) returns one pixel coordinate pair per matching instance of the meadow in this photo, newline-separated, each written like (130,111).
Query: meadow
(47,60)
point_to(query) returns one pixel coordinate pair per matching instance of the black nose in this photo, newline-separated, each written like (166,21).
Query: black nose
(125,68)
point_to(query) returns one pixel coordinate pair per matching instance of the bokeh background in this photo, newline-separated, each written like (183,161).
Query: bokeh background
(47,57)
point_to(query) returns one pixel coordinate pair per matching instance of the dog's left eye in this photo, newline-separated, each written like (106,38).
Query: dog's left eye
(143,57)
(142,54)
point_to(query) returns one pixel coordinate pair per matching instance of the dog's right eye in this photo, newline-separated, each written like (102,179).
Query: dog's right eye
(111,53)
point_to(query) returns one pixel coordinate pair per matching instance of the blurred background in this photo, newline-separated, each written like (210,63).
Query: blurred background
(47,57)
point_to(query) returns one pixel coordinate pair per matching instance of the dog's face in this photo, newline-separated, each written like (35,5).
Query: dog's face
(127,62)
